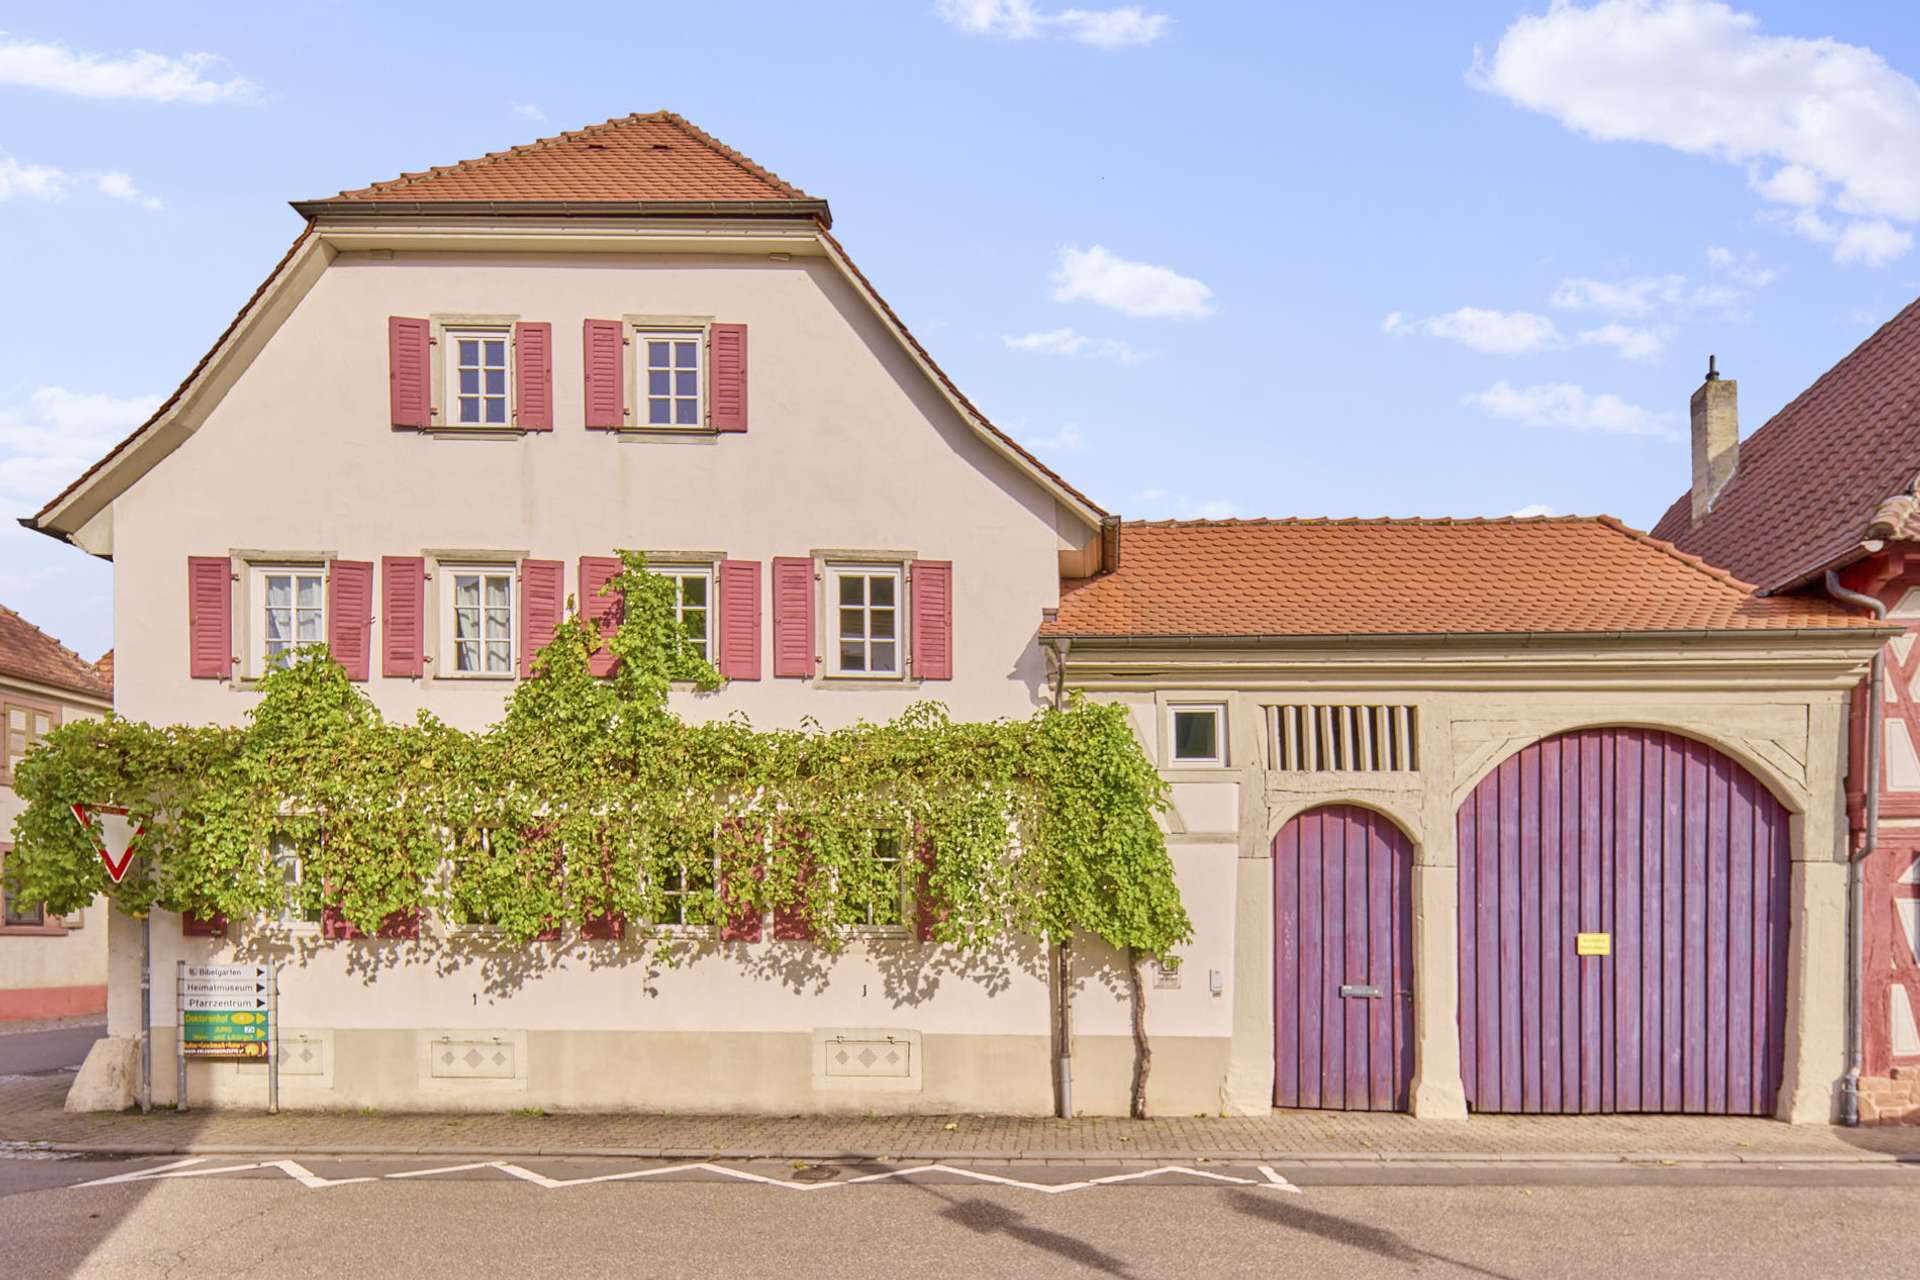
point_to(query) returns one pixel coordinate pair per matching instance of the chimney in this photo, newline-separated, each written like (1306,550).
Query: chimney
(1716,438)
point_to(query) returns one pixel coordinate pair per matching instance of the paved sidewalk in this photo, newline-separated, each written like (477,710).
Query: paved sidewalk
(30,1112)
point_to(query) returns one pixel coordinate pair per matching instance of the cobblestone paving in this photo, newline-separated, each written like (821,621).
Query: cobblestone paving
(30,1111)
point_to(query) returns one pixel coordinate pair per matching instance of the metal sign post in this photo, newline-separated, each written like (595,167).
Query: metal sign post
(231,1012)
(146,1014)
(273,1029)
(179,1036)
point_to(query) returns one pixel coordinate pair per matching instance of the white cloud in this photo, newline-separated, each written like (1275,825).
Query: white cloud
(1135,289)
(1818,123)
(1571,407)
(1873,243)
(1500,333)
(1631,297)
(1068,439)
(34,181)
(149,77)
(1632,343)
(56,435)
(1534,509)
(528,110)
(1745,271)
(44,182)
(1067,342)
(1170,504)
(1019,20)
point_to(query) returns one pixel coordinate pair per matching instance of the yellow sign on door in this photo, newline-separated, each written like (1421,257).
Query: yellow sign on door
(1593,944)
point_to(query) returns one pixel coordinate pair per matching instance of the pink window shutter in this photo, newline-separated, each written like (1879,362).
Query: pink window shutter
(729,377)
(603,611)
(606,373)
(542,599)
(533,376)
(410,371)
(350,615)
(740,917)
(739,591)
(403,623)
(209,617)
(793,629)
(931,603)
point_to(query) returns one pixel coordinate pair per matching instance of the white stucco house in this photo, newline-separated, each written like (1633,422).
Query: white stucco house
(461,389)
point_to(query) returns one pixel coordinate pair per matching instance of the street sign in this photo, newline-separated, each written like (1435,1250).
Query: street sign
(114,834)
(226,1010)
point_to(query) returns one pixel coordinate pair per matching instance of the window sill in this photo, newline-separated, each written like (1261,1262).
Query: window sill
(855,681)
(473,678)
(878,932)
(33,931)
(438,432)
(662,433)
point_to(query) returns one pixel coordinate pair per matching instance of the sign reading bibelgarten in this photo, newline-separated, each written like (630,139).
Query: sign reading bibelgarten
(226,1011)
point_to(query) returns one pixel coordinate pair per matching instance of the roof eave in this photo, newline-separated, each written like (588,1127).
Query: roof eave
(336,209)
(1294,640)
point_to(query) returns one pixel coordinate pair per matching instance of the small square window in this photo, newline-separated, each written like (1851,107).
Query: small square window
(670,374)
(1196,735)
(479,375)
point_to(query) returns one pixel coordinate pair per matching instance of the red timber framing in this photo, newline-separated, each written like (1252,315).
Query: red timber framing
(1890,1003)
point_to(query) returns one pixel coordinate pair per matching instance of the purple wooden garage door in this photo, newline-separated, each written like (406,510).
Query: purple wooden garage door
(1675,856)
(1343,962)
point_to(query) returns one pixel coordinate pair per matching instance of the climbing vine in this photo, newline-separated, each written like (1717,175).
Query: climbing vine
(591,800)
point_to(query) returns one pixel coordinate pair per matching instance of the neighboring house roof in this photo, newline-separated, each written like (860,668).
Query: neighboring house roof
(30,654)
(1248,579)
(651,159)
(1810,482)
(104,665)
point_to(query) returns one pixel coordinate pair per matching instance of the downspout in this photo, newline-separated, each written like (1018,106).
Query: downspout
(1063,950)
(1856,887)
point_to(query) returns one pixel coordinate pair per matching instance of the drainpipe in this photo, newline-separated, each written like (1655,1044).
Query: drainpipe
(1063,950)
(1856,887)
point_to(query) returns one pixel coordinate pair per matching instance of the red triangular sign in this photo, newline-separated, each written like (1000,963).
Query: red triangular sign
(114,835)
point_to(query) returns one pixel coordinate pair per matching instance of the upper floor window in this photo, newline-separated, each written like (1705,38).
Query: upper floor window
(692,605)
(478,620)
(670,373)
(293,612)
(22,726)
(866,620)
(478,371)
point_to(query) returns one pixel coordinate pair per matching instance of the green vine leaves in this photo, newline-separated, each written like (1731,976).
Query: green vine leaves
(591,802)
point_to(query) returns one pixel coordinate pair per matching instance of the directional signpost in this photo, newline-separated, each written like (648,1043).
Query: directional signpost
(229,1012)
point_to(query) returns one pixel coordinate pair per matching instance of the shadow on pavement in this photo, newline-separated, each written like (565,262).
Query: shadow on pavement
(1290,1213)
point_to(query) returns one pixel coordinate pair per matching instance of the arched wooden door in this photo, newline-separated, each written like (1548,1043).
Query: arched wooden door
(1623,930)
(1343,962)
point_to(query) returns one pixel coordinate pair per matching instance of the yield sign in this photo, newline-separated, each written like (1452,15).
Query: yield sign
(114,835)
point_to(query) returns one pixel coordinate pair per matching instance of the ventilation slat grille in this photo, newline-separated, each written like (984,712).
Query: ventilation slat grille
(1339,737)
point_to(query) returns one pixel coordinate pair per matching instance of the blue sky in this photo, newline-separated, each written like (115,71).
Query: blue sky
(1205,258)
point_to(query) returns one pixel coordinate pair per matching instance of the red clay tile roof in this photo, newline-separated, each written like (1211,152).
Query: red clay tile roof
(104,665)
(636,159)
(1810,480)
(1270,578)
(28,653)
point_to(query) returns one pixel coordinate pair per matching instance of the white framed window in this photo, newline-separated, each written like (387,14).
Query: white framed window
(672,377)
(686,882)
(293,872)
(1197,734)
(865,612)
(291,612)
(476,621)
(692,604)
(479,376)
(879,901)
(22,727)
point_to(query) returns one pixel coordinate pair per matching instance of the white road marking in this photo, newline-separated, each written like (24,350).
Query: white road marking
(1277,1182)
(189,1168)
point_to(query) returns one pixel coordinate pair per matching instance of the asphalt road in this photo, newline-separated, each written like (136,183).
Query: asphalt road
(26,1053)
(1750,1223)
